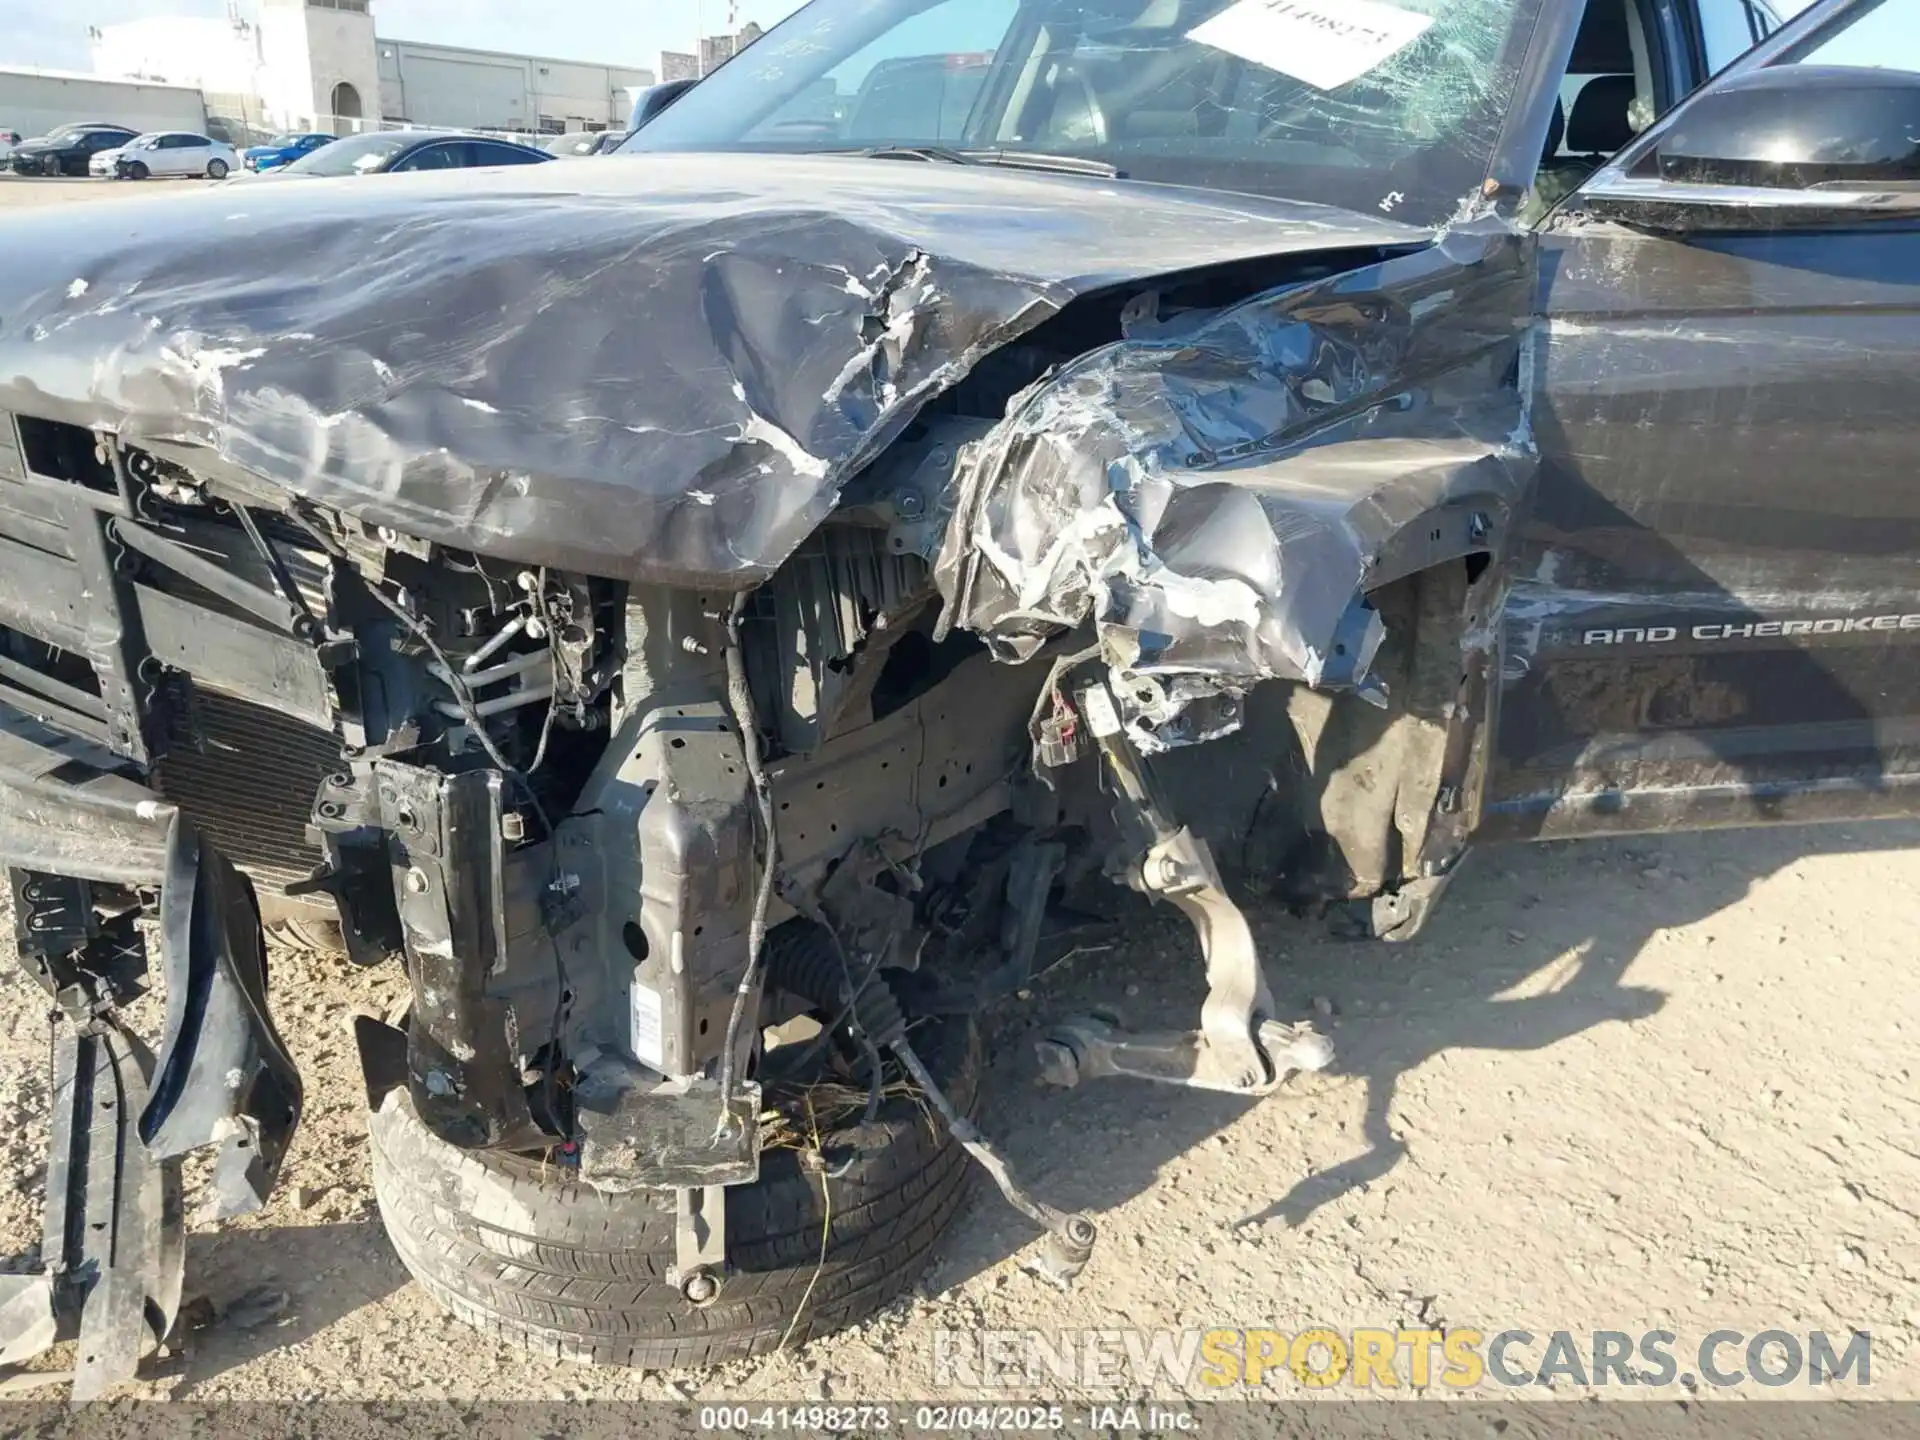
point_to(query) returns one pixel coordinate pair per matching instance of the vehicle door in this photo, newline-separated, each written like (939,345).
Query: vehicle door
(153,155)
(1714,615)
(92,142)
(175,155)
(196,153)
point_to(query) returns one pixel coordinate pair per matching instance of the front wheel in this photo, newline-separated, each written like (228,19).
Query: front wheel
(843,1219)
(216,170)
(138,171)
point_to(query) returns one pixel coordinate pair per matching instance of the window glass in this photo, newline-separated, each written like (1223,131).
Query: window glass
(501,155)
(1390,106)
(1886,37)
(917,79)
(354,156)
(1730,28)
(444,156)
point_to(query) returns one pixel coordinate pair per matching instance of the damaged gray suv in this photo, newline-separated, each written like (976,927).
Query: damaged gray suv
(723,617)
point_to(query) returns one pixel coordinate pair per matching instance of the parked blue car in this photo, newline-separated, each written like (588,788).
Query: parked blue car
(283,150)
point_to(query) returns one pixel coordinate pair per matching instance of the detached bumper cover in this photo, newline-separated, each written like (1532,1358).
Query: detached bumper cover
(224,1074)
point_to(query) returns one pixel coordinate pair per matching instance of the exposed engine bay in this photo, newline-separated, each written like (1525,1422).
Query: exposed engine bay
(1181,582)
(723,619)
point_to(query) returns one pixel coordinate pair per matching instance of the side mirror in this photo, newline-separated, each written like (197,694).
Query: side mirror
(658,98)
(1796,127)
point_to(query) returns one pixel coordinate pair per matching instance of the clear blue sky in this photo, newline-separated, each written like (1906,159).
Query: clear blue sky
(53,33)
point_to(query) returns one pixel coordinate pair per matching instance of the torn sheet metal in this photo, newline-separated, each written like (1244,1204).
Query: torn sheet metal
(657,367)
(1218,496)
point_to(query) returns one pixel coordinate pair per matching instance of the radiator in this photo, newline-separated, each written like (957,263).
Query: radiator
(250,787)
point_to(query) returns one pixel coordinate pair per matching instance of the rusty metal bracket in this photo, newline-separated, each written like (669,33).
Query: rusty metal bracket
(700,1244)
(637,1132)
(1093,1048)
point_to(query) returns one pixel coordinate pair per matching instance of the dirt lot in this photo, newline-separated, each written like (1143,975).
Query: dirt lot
(1667,1083)
(21,191)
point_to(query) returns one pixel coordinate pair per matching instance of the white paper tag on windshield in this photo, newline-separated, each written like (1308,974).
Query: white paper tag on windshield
(1327,43)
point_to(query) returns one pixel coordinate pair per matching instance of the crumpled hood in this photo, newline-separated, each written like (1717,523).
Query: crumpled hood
(657,367)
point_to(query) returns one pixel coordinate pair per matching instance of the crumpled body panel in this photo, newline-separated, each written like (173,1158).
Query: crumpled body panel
(1218,496)
(659,368)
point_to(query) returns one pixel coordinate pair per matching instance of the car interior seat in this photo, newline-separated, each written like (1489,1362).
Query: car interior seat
(1601,120)
(1602,116)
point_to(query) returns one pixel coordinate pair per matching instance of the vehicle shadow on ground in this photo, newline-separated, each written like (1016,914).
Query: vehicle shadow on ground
(1562,923)
(325,1271)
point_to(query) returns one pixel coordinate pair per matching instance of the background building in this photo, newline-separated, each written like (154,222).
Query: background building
(322,65)
(483,89)
(678,65)
(34,101)
(278,65)
(321,70)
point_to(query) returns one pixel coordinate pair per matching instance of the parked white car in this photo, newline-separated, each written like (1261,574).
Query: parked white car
(8,139)
(175,152)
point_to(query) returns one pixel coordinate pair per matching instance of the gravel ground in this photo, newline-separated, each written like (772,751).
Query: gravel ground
(1623,1086)
(31,192)
(1662,1084)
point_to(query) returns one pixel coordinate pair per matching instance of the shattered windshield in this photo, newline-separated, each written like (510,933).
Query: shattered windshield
(1389,106)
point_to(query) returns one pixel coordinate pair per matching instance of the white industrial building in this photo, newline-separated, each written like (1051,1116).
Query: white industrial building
(320,64)
(451,85)
(32,102)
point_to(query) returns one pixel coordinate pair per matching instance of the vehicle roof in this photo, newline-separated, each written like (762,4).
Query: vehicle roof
(426,140)
(396,145)
(411,139)
(477,135)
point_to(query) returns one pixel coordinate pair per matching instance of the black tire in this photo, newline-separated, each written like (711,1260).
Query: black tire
(533,1258)
(216,170)
(315,935)
(138,171)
